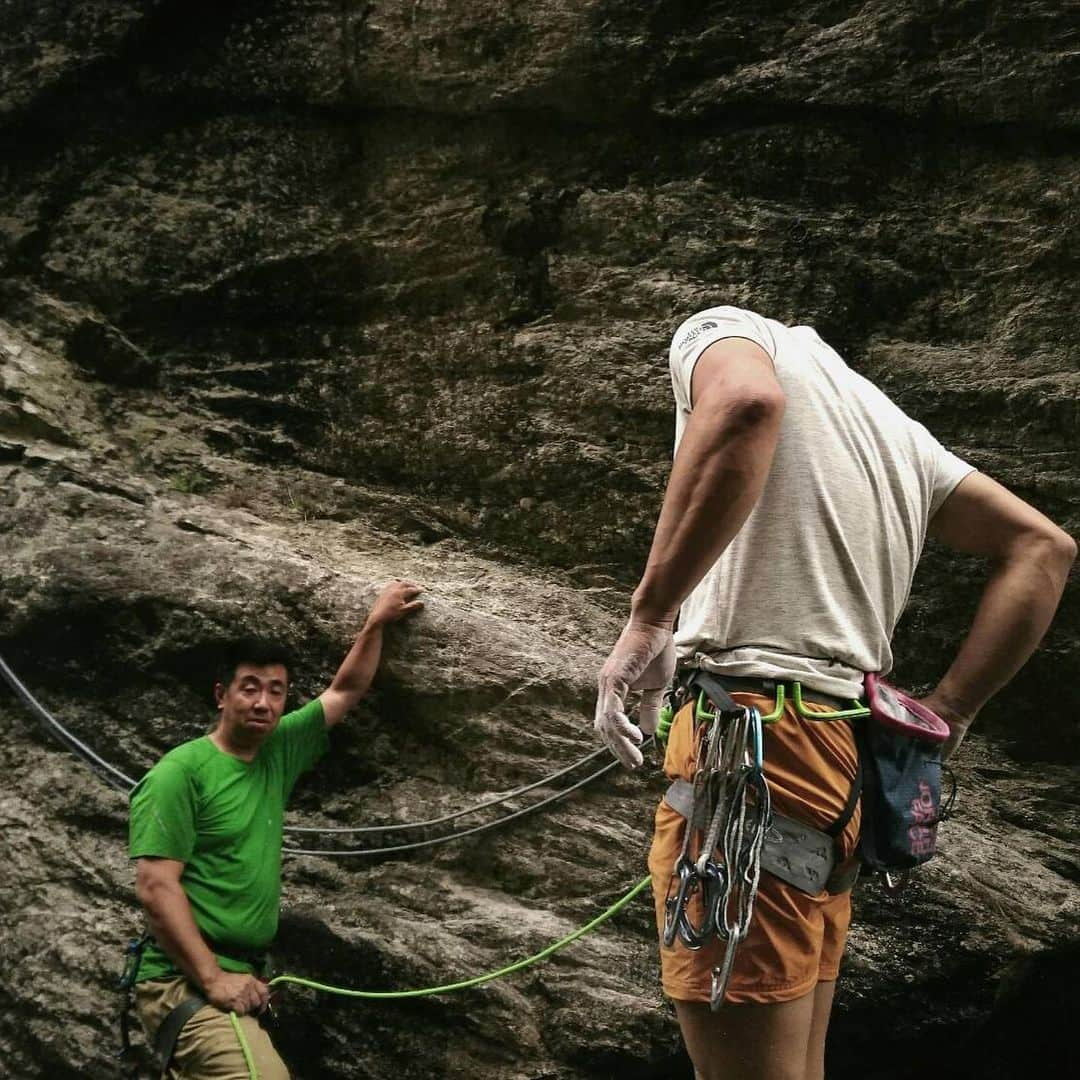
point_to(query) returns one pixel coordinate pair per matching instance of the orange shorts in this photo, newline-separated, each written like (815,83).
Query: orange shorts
(794,940)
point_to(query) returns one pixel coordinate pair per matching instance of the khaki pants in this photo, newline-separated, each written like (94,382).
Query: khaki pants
(207,1048)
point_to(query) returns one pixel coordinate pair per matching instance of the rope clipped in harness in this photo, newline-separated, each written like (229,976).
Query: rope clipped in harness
(731,800)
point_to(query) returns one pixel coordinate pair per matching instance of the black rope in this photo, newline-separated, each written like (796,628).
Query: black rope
(327,829)
(414,845)
(112,774)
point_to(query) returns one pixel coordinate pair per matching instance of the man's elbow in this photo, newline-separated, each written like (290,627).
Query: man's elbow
(1052,548)
(147,893)
(756,407)
(1064,549)
(151,889)
(336,702)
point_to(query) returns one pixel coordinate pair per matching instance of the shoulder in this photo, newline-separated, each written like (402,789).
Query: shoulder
(179,766)
(308,713)
(189,756)
(725,320)
(300,722)
(709,327)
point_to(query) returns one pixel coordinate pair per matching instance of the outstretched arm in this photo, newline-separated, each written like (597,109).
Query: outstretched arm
(353,678)
(718,475)
(1030,559)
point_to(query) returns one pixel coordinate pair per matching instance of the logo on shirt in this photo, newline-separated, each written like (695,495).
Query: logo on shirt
(694,334)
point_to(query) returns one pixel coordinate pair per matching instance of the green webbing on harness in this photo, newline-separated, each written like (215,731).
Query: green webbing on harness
(667,713)
(701,713)
(778,707)
(430,990)
(840,714)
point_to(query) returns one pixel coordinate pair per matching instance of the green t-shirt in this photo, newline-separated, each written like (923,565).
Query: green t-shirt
(223,817)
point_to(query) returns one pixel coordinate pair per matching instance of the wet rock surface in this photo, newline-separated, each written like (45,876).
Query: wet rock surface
(298,297)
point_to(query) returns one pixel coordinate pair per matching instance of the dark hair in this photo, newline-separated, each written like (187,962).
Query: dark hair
(255,651)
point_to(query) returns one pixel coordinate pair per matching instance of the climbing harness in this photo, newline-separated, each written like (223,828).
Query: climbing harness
(169,1029)
(852,710)
(793,851)
(898,778)
(729,807)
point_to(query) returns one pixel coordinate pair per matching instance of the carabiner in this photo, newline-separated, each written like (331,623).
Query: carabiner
(721,975)
(759,738)
(701,714)
(132,960)
(675,906)
(663,726)
(714,894)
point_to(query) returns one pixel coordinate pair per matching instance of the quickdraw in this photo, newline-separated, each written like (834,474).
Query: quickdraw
(731,803)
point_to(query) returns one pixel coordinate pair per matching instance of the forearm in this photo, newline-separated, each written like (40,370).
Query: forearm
(354,676)
(1014,613)
(717,477)
(173,925)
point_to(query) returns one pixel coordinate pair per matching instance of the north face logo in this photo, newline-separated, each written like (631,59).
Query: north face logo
(696,332)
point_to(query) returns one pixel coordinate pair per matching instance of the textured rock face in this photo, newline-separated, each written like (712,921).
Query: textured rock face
(298,296)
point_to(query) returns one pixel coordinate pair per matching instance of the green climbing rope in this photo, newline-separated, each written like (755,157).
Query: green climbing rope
(249,1059)
(479,979)
(428,991)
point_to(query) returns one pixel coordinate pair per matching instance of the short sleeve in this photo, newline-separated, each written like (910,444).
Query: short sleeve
(163,808)
(949,471)
(302,740)
(944,469)
(705,328)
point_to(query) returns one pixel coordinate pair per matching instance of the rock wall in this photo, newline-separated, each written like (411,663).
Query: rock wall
(295,296)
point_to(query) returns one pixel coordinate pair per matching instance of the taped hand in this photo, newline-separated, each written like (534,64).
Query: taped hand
(643,659)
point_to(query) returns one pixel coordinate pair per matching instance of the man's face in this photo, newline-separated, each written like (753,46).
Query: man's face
(252,704)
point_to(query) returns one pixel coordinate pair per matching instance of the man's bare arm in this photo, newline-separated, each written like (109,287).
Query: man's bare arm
(353,678)
(1030,559)
(158,888)
(718,474)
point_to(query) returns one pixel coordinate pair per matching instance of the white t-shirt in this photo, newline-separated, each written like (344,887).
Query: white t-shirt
(812,586)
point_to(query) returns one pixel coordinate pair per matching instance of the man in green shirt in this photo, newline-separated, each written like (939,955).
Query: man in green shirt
(206,831)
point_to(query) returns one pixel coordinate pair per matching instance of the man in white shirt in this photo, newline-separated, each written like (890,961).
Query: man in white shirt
(795,515)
